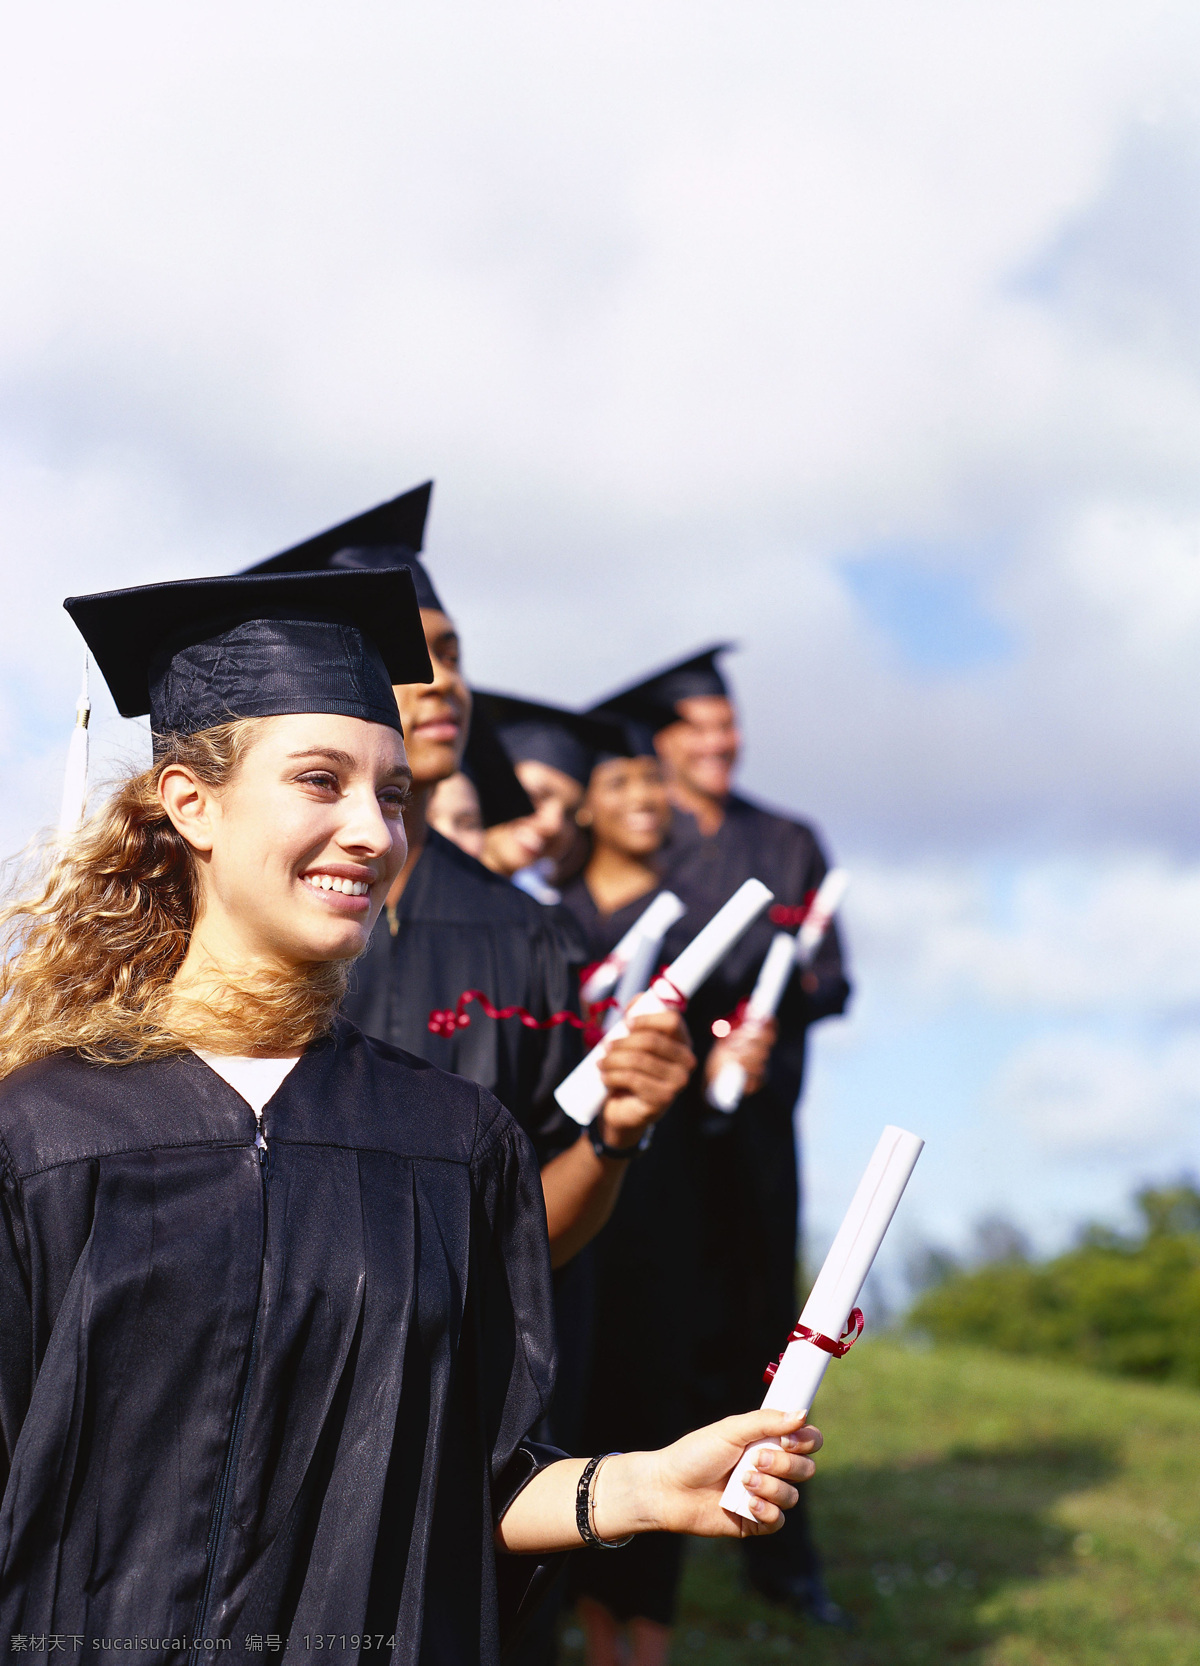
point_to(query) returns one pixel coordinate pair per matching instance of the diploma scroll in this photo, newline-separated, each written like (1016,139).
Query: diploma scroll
(582,1093)
(726,1089)
(644,956)
(820,916)
(652,924)
(837,1288)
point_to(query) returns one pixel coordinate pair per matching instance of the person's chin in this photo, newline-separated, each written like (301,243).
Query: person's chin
(345,943)
(715,782)
(432,761)
(339,937)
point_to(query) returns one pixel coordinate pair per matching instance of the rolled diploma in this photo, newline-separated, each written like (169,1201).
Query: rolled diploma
(726,1090)
(816,922)
(838,1286)
(639,968)
(654,921)
(581,1094)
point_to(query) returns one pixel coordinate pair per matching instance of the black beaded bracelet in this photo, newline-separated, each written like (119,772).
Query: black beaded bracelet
(583,1507)
(621,1153)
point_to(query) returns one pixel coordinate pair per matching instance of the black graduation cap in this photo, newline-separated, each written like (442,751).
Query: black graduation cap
(490,770)
(566,740)
(390,535)
(652,704)
(203,651)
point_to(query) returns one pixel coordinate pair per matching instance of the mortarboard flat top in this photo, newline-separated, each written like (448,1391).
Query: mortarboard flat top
(390,535)
(200,652)
(565,740)
(653,702)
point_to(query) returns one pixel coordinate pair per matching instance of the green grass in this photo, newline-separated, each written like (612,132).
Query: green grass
(978,1508)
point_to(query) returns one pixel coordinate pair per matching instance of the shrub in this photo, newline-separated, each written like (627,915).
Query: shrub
(1129,1305)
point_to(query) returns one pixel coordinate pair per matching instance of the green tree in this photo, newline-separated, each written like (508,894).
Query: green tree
(1125,1304)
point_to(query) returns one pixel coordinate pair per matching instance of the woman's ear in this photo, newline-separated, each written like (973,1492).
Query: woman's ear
(188,803)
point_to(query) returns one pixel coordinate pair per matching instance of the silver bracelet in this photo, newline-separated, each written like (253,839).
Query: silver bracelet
(585,1507)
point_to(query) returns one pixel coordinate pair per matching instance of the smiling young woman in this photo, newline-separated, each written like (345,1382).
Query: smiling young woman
(274,1298)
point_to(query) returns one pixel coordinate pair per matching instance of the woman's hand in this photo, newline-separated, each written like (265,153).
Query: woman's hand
(677,1490)
(644,1073)
(750,1046)
(681,1485)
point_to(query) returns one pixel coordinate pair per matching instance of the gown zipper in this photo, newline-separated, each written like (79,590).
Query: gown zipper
(216,1536)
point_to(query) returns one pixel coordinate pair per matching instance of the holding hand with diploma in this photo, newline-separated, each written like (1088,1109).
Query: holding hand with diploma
(603,1503)
(747,1044)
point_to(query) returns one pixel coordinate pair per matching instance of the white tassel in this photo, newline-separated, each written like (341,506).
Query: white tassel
(75,778)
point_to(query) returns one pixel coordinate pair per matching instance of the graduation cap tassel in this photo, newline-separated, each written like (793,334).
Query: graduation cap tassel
(75,778)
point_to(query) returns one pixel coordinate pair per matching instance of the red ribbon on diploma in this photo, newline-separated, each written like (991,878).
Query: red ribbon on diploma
(674,999)
(790,918)
(446,1020)
(855,1325)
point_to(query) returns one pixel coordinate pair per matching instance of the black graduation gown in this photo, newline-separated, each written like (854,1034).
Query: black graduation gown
(459,926)
(289,1394)
(637,1383)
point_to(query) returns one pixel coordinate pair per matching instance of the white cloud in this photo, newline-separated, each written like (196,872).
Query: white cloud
(1063,938)
(1079,1095)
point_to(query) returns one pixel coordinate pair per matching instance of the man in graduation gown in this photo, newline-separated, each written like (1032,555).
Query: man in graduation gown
(742,1300)
(451,927)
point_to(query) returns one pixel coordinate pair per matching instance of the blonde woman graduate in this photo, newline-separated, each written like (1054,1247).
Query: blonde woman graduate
(274,1297)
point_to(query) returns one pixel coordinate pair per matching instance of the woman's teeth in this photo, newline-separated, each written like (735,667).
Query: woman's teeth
(326,882)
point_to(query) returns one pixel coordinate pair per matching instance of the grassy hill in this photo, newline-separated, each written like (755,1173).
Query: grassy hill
(979,1508)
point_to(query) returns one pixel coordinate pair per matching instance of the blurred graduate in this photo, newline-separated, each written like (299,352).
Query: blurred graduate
(552,750)
(697,1271)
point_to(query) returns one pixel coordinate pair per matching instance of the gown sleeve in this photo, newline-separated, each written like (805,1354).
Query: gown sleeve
(513,1317)
(16,1320)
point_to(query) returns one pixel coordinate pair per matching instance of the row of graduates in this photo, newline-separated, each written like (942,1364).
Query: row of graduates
(571,823)
(277,1335)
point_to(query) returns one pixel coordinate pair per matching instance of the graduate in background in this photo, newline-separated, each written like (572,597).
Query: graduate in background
(455,812)
(741,1295)
(451,926)
(552,751)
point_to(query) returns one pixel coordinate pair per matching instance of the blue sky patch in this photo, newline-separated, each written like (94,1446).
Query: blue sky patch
(937,620)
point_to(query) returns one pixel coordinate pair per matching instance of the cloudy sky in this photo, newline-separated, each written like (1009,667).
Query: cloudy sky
(867,335)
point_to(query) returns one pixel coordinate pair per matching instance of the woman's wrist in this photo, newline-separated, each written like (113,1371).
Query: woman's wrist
(626,1495)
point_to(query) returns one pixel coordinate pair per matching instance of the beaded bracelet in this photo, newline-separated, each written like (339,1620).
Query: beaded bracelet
(585,1508)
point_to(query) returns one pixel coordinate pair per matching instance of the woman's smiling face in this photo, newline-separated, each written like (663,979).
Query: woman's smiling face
(297,852)
(627,806)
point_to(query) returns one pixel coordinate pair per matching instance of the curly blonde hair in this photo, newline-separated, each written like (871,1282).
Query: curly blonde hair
(88,955)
